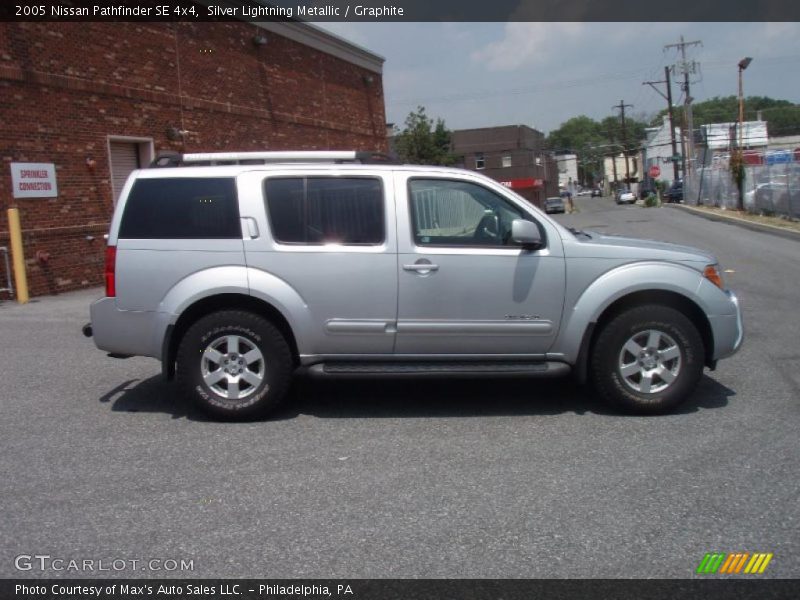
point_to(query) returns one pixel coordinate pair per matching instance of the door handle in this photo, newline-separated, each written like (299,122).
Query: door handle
(251,227)
(421,267)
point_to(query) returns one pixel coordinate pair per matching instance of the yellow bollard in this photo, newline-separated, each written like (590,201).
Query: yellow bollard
(17,255)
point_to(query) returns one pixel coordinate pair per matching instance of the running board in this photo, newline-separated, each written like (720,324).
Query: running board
(439,369)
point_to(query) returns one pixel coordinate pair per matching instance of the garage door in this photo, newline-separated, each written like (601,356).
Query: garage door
(124,160)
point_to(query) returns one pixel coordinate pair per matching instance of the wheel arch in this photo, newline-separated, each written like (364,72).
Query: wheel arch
(639,298)
(211,304)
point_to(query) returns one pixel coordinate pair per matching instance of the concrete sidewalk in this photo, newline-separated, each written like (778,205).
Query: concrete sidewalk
(746,224)
(69,306)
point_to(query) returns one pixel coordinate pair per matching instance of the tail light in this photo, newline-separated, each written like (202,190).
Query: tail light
(110,271)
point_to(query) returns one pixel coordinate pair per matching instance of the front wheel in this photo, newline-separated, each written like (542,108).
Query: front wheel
(648,359)
(234,365)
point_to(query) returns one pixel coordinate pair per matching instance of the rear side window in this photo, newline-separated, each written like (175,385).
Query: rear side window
(182,208)
(326,210)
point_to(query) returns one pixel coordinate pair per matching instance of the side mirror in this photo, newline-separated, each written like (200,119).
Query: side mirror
(526,233)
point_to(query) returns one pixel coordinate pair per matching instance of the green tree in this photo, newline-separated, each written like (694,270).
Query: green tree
(782,117)
(423,141)
(591,140)
(581,136)
(575,133)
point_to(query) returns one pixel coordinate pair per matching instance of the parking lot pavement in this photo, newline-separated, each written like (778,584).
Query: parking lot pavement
(102,459)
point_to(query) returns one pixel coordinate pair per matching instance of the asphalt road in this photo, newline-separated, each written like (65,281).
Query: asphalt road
(100,459)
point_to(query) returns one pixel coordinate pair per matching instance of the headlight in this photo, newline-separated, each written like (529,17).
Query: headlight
(712,273)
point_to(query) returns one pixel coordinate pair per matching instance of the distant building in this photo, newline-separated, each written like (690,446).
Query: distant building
(567,171)
(85,104)
(719,140)
(614,168)
(723,137)
(780,142)
(514,155)
(657,151)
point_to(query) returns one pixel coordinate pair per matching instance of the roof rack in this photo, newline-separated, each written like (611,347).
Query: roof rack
(176,159)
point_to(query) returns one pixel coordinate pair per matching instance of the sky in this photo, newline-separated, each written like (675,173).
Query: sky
(541,74)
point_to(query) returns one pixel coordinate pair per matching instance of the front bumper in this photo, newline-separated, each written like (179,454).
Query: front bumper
(728,329)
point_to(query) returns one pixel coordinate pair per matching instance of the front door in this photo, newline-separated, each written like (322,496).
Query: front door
(464,288)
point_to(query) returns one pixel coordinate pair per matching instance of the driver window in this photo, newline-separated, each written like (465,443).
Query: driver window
(458,213)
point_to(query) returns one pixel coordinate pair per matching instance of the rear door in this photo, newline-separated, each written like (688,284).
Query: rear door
(329,234)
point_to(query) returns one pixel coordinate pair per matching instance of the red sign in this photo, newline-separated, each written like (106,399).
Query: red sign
(654,171)
(524,183)
(753,158)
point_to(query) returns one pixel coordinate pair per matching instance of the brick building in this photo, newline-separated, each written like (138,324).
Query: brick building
(97,100)
(514,155)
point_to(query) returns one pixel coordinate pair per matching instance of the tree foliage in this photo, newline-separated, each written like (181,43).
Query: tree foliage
(576,133)
(782,116)
(591,140)
(423,141)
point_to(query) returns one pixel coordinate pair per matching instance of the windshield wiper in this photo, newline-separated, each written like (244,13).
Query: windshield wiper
(574,231)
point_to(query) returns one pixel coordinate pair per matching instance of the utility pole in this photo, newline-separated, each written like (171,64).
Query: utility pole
(614,168)
(671,125)
(686,68)
(622,106)
(671,112)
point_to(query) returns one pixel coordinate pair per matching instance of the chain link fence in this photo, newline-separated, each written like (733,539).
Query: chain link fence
(711,186)
(773,189)
(769,189)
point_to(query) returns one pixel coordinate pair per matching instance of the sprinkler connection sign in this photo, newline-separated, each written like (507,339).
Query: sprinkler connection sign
(33,180)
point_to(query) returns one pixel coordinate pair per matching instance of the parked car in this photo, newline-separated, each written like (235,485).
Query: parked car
(596,192)
(774,197)
(554,205)
(237,277)
(750,196)
(624,196)
(675,192)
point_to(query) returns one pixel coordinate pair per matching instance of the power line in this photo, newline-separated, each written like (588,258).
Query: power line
(622,106)
(668,98)
(567,84)
(686,68)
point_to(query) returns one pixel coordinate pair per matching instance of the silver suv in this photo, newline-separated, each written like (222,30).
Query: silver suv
(238,270)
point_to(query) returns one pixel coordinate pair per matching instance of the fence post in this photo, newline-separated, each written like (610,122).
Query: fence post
(17,255)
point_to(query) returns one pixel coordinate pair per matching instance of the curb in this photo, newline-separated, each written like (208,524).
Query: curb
(771,229)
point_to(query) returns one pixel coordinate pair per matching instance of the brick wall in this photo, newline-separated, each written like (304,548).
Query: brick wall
(66,87)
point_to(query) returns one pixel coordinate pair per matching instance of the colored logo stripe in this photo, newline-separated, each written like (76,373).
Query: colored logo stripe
(758,563)
(734,563)
(711,562)
(723,563)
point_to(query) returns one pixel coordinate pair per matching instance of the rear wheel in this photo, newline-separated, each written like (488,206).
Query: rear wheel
(234,365)
(648,359)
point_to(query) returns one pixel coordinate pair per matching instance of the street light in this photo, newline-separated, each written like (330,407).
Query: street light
(743,64)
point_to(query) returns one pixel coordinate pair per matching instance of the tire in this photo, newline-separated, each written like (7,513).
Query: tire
(234,365)
(647,360)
